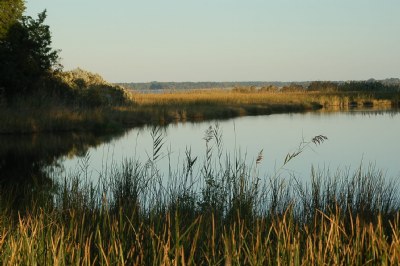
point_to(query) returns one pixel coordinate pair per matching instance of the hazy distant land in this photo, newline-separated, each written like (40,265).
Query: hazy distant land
(155,85)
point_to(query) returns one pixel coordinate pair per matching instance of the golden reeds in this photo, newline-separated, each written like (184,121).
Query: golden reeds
(163,108)
(232,218)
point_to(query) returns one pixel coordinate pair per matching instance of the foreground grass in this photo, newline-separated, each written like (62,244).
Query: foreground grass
(225,214)
(144,109)
(66,238)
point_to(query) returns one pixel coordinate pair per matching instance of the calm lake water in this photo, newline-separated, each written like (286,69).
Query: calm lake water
(359,137)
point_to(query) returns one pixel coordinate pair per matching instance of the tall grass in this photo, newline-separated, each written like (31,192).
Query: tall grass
(52,114)
(224,214)
(254,97)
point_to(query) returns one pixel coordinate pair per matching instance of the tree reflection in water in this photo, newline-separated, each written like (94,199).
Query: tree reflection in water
(25,181)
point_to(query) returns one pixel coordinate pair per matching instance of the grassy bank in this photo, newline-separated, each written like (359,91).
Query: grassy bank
(224,214)
(142,109)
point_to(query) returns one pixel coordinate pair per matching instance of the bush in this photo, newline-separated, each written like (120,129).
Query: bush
(92,90)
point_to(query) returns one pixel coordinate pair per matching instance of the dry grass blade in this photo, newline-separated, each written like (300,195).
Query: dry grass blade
(260,157)
(158,141)
(209,134)
(189,160)
(290,156)
(319,139)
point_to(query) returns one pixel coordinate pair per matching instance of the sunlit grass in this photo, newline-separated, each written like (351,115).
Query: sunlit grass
(258,97)
(224,214)
(43,238)
(216,96)
(163,108)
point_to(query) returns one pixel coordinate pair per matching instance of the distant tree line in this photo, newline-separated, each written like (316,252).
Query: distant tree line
(203,85)
(355,86)
(324,86)
(348,86)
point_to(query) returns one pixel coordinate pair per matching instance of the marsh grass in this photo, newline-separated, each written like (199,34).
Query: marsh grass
(254,97)
(38,114)
(224,214)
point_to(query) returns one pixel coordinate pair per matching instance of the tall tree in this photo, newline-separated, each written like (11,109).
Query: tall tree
(10,13)
(26,55)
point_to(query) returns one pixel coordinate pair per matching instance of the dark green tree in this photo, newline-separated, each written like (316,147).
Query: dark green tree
(326,86)
(10,13)
(26,56)
(156,86)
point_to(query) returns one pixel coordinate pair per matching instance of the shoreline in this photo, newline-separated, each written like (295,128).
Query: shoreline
(191,106)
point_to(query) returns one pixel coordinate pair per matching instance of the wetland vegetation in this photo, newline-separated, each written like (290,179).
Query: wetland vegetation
(224,214)
(104,107)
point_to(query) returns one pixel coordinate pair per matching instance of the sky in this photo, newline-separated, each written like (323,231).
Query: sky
(226,40)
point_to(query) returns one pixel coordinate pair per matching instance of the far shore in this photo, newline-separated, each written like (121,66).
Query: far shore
(181,106)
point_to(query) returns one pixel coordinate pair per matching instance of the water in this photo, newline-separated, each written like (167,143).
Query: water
(354,138)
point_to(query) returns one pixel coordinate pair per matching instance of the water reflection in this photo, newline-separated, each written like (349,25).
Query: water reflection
(367,111)
(357,135)
(24,161)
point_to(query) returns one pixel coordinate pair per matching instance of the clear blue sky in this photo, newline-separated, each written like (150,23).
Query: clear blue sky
(227,40)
